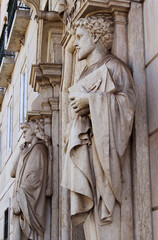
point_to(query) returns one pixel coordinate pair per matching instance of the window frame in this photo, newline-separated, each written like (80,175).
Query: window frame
(9,126)
(23,95)
(6,227)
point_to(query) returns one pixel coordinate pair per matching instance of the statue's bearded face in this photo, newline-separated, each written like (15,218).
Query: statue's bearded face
(28,134)
(84,43)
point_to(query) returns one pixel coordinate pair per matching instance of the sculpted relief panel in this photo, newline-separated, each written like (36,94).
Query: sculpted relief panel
(101,113)
(31,186)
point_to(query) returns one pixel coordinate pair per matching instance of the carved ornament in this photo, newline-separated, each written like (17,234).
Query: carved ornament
(80,8)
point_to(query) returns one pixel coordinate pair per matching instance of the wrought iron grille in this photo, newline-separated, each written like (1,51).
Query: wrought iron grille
(12,7)
(2,42)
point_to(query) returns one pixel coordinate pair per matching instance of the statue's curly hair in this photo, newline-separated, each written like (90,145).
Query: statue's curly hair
(101,25)
(37,127)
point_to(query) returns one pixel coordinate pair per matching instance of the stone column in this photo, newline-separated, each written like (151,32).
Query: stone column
(54,102)
(120,36)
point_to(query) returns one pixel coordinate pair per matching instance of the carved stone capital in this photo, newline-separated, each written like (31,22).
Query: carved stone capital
(120,17)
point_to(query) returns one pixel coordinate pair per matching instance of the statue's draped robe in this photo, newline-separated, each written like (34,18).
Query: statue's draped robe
(97,184)
(30,191)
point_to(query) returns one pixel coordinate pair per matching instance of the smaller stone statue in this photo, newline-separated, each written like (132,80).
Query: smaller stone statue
(30,171)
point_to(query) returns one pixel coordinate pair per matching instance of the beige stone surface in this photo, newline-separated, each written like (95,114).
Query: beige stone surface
(140,151)
(154,168)
(152,94)
(150,26)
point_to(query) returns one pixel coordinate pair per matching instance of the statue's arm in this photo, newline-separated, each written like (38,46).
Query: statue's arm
(122,104)
(14,167)
(34,170)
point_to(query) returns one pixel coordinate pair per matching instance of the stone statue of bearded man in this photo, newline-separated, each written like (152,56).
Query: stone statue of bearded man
(30,171)
(97,138)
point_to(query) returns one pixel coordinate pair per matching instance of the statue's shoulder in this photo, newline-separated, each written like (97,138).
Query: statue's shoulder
(115,64)
(40,146)
(120,73)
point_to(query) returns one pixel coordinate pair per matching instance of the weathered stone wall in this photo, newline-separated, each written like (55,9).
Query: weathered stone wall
(151,65)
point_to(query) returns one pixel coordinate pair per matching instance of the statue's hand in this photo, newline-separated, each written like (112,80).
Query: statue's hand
(80,104)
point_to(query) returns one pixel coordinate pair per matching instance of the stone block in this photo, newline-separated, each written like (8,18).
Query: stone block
(154,168)
(150,26)
(152,95)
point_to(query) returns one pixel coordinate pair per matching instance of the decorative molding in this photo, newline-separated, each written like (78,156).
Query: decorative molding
(48,15)
(34,4)
(33,115)
(81,8)
(45,74)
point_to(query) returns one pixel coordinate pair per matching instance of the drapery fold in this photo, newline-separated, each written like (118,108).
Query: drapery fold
(107,128)
(30,190)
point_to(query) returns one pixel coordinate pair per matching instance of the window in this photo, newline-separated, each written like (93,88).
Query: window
(6,224)
(9,126)
(23,95)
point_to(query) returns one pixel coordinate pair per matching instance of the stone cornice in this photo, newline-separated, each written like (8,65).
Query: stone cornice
(45,74)
(93,6)
(89,7)
(83,8)
(33,115)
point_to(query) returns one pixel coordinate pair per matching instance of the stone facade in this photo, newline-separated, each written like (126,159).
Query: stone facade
(37,68)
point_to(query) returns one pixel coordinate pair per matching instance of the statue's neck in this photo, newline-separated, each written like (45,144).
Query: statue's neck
(35,139)
(97,55)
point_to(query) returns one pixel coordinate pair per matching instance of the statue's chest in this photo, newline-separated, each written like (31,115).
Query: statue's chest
(94,81)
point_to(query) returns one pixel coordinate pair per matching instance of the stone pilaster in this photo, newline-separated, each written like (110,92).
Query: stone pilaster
(141,176)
